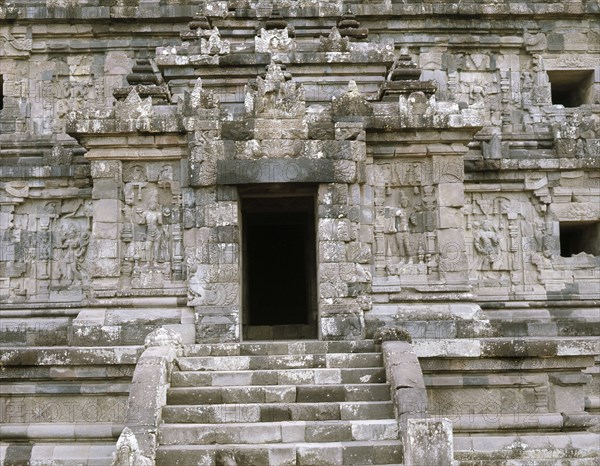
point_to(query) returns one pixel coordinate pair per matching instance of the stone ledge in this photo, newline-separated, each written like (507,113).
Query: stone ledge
(70,356)
(88,11)
(507,422)
(529,446)
(507,347)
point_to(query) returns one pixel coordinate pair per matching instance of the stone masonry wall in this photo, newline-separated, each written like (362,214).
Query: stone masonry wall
(455,170)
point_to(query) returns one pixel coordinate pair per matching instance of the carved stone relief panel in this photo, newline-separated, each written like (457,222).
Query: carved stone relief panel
(151,229)
(405,218)
(508,240)
(44,250)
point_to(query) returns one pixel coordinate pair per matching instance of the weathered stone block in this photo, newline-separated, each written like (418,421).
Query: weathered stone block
(428,442)
(106,210)
(319,454)
(105,188)
(451,194)
(106,169)
(332,251)
(566,399)
(450,217)
(344,171)
(103,230)
(556,42)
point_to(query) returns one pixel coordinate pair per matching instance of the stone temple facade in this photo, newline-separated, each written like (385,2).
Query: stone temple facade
(307,232)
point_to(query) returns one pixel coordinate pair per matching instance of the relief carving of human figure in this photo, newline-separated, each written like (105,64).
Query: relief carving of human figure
(73,244)
(402,230)
(389,231)
(487,244)
(477,95)
(152,217)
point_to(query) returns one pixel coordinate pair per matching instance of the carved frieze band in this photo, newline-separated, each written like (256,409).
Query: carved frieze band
(275,171)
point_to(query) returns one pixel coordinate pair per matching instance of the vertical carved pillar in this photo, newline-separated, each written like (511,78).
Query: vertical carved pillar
(214,282)
(449,193)
(104,241)
(379,251)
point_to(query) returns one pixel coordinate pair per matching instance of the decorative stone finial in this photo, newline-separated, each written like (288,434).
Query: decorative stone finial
(352,103)
(274,41)
(200,98)
(403,68)
(349,26)
(214,45)
(276,21)
(334,42)
(276,94)
(403,79)
(128,451)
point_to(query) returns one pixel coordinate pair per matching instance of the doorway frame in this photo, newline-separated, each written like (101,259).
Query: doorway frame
(281,191)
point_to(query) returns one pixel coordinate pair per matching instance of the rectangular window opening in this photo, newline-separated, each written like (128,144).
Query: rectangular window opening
(571,88)
(578,237)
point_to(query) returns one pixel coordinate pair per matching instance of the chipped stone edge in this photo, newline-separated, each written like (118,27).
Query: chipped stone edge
(138,442)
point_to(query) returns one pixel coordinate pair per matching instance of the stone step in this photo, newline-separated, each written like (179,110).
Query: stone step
(279,361)
(263,348)
(59,431)
(56,373)
(318,376)
(303,454)
(64,387)
(278,394)
(76,454)
(274,412)
(278,432)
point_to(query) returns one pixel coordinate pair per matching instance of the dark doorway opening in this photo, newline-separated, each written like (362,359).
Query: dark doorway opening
(279,263)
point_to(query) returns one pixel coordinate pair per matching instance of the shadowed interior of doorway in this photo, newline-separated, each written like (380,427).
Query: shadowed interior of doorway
(279,278)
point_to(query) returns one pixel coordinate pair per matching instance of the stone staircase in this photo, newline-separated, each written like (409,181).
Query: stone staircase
(279,403)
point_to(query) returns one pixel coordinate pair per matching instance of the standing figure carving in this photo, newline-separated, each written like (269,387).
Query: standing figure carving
(487,244)
(152,217)
(402,230)
(73,244)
